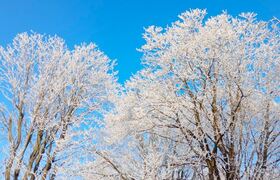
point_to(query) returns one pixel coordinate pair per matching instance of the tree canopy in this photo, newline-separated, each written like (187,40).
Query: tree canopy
(205,105)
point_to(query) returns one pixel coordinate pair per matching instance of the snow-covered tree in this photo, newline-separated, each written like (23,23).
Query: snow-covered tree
(205,105)
(49,96)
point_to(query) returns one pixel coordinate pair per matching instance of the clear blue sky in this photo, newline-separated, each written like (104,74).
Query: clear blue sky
(116,26)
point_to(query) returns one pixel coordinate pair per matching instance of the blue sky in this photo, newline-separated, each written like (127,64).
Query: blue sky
(116,26)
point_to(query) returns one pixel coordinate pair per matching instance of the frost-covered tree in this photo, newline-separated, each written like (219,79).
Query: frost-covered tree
(205,105)
(49,95)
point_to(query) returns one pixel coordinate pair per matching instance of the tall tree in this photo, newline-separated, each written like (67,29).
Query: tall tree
(204,106)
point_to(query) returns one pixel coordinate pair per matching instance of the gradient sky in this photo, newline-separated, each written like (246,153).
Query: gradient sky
(116,26)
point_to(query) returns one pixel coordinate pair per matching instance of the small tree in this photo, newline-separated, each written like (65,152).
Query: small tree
(48,94)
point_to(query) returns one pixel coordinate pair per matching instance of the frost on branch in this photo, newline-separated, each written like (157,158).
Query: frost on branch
(203,106)
(49,94)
